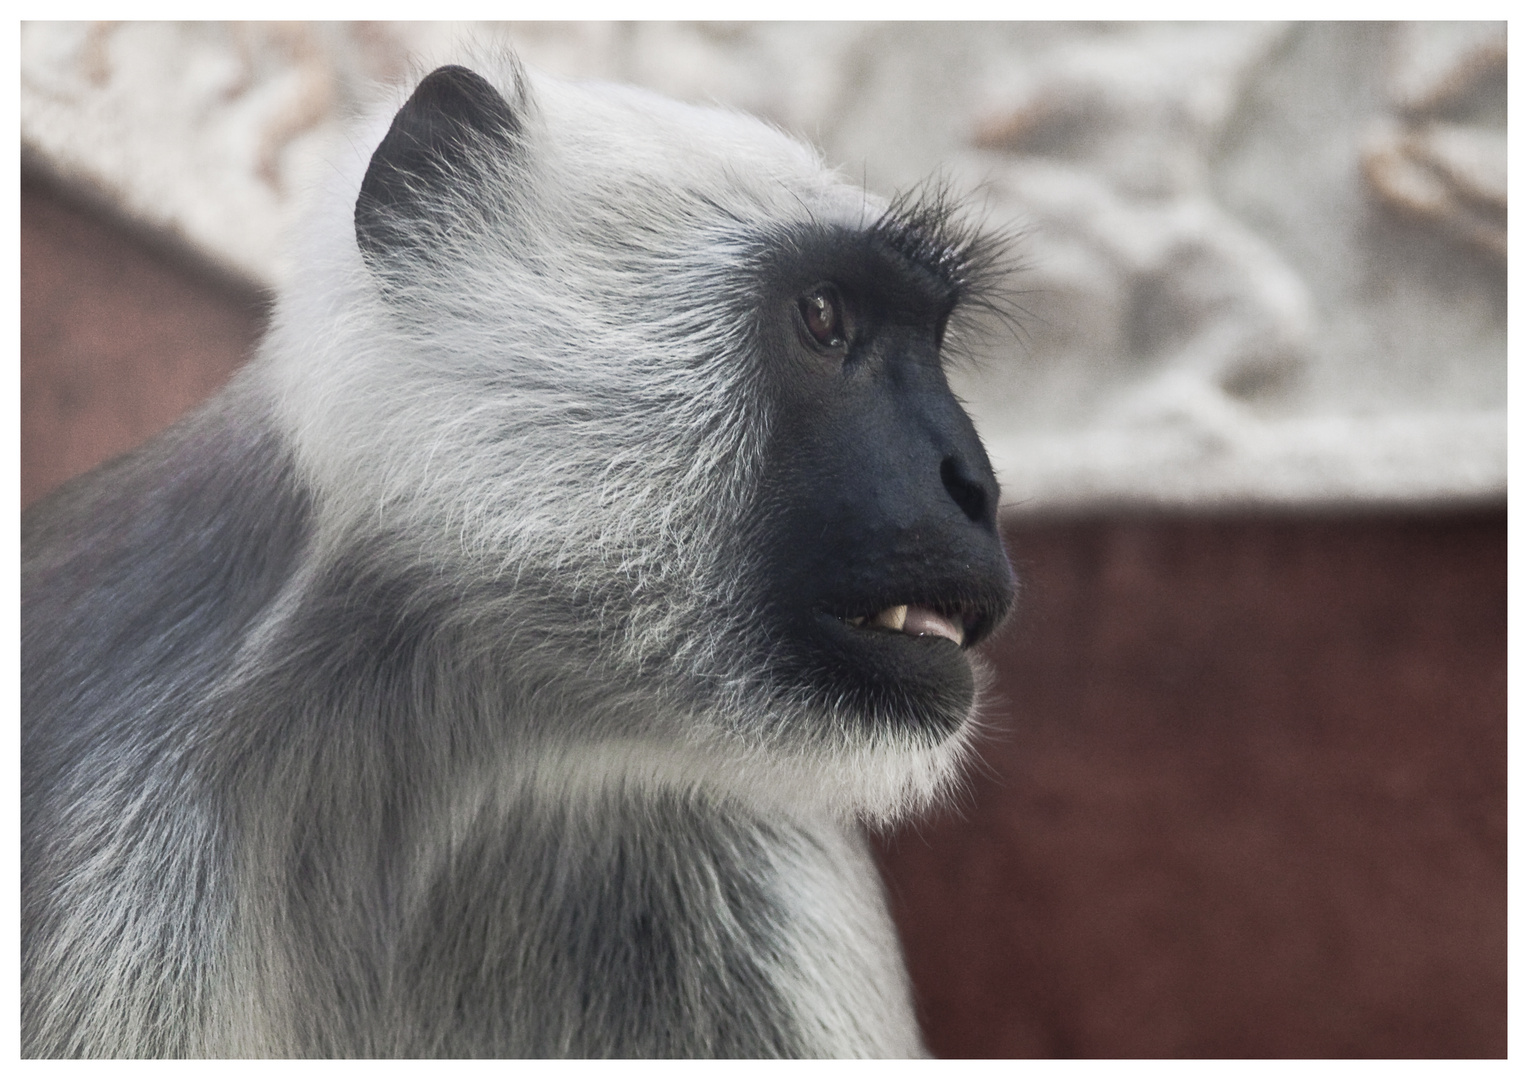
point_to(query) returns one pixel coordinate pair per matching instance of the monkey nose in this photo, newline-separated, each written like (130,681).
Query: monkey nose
(969,490)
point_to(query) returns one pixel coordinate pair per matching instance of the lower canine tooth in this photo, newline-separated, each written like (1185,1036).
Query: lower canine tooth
(892,618)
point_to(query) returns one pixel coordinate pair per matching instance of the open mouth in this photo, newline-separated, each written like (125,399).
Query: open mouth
(915,620)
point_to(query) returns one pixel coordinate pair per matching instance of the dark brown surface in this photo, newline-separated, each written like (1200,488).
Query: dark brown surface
(1247,793)
(1247,798)
(118,338)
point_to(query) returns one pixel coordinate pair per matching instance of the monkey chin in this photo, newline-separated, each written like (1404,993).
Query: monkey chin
(893,761)
(921,682)
(879,732)
(905,675)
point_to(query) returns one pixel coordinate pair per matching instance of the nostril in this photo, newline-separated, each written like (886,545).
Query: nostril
(968,494)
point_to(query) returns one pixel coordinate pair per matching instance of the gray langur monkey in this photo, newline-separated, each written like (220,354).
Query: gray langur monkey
(507,661)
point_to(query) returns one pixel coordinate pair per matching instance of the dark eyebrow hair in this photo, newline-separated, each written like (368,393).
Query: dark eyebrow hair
(932,230)
(924,226)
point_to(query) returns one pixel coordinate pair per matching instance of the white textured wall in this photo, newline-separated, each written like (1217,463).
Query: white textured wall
(1265,265)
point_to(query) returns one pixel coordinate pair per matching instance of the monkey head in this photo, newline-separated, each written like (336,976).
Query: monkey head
(660,400)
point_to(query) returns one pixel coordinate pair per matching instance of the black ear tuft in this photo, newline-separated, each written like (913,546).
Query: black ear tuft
(431,145)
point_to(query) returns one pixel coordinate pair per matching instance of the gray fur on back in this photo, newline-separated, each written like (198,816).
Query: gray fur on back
(403,700)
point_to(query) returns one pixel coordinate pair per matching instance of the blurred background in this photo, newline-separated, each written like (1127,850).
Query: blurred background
(1243,790)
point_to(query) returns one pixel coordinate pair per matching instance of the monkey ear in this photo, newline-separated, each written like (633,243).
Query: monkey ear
(432,145)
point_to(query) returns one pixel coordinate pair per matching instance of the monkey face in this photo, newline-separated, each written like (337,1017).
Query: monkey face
(878,503)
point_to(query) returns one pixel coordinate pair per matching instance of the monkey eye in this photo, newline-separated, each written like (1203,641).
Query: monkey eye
(822,312)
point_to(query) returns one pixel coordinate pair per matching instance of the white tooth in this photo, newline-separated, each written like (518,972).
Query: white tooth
(892,618)
(858,620)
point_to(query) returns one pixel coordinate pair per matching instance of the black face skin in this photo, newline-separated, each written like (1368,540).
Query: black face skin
(877,491)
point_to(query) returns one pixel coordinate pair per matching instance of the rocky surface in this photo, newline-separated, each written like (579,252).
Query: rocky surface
(1261,265)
